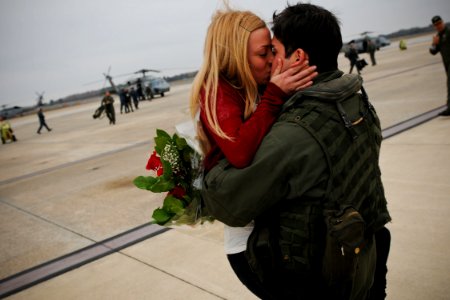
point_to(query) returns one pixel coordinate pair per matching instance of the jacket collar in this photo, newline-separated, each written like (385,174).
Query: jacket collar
(331,86)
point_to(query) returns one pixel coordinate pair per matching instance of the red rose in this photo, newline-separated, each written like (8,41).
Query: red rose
(154,163)
(178,192)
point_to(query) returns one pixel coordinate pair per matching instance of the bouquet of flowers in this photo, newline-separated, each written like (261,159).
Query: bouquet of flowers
(179,173)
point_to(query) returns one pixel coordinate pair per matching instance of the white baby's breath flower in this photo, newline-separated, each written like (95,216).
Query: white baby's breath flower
(170,154)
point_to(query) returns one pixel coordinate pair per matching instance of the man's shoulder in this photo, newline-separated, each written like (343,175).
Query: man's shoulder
(290,131)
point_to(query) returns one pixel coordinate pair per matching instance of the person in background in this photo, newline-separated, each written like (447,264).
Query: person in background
(42,122)
(108,104)
(134,96)
(371,49)
(6,131)
(140,91)
(148,91)
(237,101)
(352,55)
(123,101)
(128,99)
(441,43)
(320,158)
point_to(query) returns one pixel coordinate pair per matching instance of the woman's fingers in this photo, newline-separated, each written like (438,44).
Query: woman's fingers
(307,71)
(298,66)
(304,86)
(298,76)
(303,79)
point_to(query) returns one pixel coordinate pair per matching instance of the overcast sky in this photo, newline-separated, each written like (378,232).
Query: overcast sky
(58,46)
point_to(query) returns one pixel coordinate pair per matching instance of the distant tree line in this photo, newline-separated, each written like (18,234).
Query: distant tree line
(181,76)
(411,31)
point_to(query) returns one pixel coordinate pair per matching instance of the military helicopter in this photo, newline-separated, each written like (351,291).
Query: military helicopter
(11,112)
(8,112)
(379,40)
(151,85)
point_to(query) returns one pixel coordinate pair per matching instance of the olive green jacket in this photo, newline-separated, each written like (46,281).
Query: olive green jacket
(443,47)
(288,165)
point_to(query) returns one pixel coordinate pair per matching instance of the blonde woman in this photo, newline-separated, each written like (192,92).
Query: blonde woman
(238,100)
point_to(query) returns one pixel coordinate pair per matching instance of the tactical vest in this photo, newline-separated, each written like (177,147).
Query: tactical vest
(351,148)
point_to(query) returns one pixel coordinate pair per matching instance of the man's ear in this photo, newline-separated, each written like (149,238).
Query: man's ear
(299,55)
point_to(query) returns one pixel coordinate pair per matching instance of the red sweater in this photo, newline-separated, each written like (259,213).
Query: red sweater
(246,134)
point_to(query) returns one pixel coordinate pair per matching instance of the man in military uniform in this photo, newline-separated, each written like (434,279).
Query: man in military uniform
(108,104)
(42,122)
(352,55)
(371,48)
(319,159)
(441,43)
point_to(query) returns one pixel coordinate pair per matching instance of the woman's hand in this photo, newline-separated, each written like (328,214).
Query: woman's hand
(297,77)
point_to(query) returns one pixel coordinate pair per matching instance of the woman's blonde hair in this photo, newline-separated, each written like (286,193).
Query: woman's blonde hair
(225,55)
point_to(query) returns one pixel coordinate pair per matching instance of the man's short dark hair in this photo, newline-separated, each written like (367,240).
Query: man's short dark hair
(313,29)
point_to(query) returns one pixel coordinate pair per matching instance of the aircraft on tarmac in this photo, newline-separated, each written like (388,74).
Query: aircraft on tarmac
(11,112)
(14,111)
(380,41)
(150,85)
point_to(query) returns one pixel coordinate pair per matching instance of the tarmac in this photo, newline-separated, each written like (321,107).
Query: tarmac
(71,189)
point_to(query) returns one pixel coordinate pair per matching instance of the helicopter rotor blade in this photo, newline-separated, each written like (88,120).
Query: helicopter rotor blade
(106,76)
(143,71)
